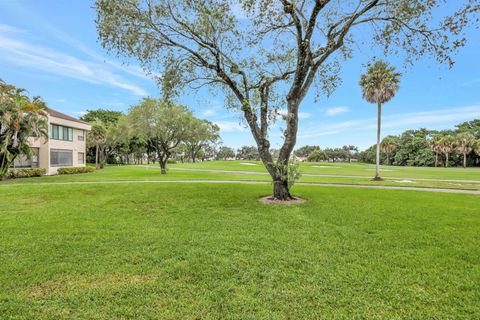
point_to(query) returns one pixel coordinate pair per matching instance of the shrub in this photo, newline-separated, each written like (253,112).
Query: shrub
(171,161)
(74,170)
(25,173)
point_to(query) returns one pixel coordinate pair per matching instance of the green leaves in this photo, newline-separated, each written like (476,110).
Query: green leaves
(380,83)
(20,119)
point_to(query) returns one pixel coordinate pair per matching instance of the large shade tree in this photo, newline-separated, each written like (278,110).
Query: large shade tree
(379,85)
(225,152)
(108,120)
(266,54)
(107,117)
(247,153)
(162,124)
(472,127)
(305,151)
(201,133)
(21,118)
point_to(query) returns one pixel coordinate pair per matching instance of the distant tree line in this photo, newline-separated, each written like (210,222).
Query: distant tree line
(423,147)
(346,153)
(152,131)
(186,138)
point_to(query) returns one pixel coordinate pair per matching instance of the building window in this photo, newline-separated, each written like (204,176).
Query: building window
(61,133)
(81,135)
(21,161)
(81,158)
(61,158)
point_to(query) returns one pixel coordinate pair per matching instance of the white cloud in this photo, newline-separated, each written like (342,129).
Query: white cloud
(230,126)
(436,119)
(470,82)
(209,112)
(116,104)
(24,53)
(10,29)
(80,113)
(336,111)
(303,115)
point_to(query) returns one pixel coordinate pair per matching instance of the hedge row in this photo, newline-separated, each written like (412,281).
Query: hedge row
(74,170)
(25,173)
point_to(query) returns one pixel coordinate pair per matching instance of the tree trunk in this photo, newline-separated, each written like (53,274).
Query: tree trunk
(446,160)
(436,159)
(379,126)
(162,160)
(163,166)
(101,157)
(464,160)
(96,156)
(193,156)
(388,158)
(4,166)
(281,187)
(281,190)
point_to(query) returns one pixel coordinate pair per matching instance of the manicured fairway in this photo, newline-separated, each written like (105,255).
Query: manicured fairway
(351,169)
(200,171)
(212,251)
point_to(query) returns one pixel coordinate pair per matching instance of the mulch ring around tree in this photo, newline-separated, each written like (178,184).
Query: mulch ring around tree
(271,200)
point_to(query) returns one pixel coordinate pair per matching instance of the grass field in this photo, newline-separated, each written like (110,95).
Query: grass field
(352,169)
(213,251)
(339,173)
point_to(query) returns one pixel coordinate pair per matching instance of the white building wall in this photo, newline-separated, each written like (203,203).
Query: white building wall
(76,146)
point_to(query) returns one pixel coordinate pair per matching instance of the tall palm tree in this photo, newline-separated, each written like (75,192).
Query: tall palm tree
(447,146)
(389,145)
(20,119)
(379,85)
(476,148)
(465,143)
(436,145)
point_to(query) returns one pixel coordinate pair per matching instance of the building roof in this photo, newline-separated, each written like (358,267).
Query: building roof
(56,114)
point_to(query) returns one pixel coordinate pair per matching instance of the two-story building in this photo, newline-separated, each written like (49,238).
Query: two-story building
(66,146)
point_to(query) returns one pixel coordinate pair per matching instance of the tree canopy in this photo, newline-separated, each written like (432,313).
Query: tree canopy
(162,124)
(201,133)
(424,147)
(271,56)
(21,118)
(107,117)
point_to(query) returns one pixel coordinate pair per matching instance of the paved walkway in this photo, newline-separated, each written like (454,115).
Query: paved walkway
(477,192)
(317,175)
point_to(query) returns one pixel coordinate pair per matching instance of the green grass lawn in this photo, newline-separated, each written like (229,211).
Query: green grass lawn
(353,169)
(411,178)
(196,251)
(212,251)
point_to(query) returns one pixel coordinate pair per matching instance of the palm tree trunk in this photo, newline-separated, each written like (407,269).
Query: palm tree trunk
(379,128)
(436,159)
(464,160)
(446,160)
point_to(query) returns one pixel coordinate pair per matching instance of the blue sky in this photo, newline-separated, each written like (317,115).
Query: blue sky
(50,47)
